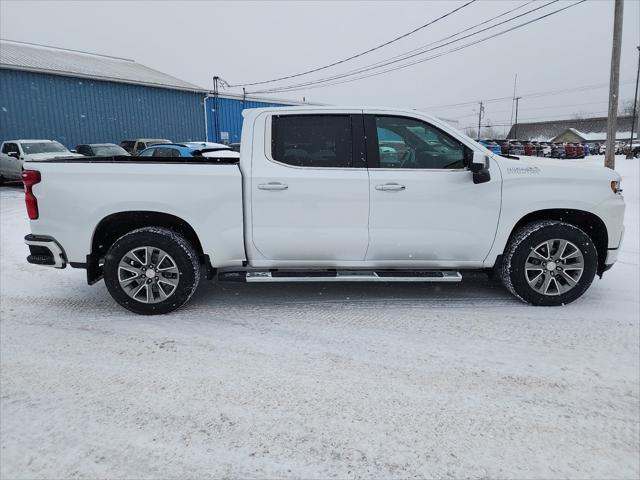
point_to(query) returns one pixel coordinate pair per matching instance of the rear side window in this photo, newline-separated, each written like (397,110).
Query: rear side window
(166,152)
(312,140)
(148,152)
(10,148)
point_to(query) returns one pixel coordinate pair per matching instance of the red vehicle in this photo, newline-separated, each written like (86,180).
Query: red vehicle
(579,150)
(570,150)
(529,148)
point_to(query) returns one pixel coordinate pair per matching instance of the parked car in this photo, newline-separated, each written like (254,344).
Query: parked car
(298,206)
(634,149)
(504,146)
(189,149)
(13,153)
(529,148)
(136,146)
(491,145)
(516,148)
(101,150)
(235,147)
(546,149)
(558,150)
(570,150)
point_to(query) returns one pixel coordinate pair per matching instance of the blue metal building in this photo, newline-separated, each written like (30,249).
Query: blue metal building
(78,97)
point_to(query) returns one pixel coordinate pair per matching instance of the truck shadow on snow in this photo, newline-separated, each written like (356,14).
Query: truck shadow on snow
(474,290)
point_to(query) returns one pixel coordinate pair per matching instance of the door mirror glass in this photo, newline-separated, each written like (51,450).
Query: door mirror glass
(480,167)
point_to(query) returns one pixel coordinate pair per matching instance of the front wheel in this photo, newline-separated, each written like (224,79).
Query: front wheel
(151,271)
(549,263)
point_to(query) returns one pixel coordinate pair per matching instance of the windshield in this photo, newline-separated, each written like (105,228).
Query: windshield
(43,147)
(108,150)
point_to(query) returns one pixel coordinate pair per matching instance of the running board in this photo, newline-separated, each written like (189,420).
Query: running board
(353,276)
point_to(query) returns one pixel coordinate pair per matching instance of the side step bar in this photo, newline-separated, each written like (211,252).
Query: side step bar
(344,276)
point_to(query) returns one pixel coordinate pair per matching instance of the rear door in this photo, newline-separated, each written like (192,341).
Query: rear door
(425,208)
(310,189)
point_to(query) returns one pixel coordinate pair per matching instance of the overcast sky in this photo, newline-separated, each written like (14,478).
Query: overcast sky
(253,41)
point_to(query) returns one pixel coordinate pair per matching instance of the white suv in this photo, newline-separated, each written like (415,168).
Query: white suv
(15,152)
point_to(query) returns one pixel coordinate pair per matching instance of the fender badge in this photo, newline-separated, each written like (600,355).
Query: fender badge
(523,170)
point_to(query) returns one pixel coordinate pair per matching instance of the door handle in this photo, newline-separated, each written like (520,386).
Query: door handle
(273,186)
(390,187)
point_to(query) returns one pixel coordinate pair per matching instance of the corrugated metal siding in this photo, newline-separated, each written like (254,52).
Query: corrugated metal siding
(230,116)
(74,110)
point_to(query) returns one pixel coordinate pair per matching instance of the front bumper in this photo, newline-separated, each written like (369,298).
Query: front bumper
(46,251)
(612,253)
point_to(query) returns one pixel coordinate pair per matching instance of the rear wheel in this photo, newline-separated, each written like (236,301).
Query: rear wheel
(549,263)
(151,271)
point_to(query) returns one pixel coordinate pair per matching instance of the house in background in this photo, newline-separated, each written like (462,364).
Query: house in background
(574,130)
(572,135)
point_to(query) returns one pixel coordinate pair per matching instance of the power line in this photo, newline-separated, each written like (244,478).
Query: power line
(310,85)
(484,22)
(526,95)
(389,42)
(506,123)
(406,55)
(535,108)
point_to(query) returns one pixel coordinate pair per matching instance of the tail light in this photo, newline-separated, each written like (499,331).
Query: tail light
(30,178)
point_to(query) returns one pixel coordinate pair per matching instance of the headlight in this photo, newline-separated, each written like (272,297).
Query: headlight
(616,187)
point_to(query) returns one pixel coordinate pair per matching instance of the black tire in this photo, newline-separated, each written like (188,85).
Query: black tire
(180,251)
(524,240)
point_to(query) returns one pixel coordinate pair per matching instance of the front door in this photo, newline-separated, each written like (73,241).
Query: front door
(310,190)
(425,208)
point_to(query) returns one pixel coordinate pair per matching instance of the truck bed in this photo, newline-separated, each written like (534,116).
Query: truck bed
(76,194)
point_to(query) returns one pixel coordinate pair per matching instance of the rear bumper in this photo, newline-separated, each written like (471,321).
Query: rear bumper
(45,250)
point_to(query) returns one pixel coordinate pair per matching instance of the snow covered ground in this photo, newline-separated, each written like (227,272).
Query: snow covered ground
(313,381)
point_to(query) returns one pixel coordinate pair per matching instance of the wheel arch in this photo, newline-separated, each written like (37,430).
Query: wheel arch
(588,222)
(114,225)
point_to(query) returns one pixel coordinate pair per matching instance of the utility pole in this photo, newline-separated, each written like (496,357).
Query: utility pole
(515,125)
(216,126)
(614,84)
(635,104)
(515,81)
(480,112)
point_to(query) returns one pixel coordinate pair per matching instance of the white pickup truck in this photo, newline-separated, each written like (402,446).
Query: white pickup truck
(325,195)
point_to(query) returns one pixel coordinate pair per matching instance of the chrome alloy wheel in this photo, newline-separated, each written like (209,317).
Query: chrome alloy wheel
(148,274)
(554,267)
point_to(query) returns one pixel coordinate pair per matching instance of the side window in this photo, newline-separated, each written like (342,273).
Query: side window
(148,152)
(410,143)
(140,146)
(166,152)
(10,148)
(312,140)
